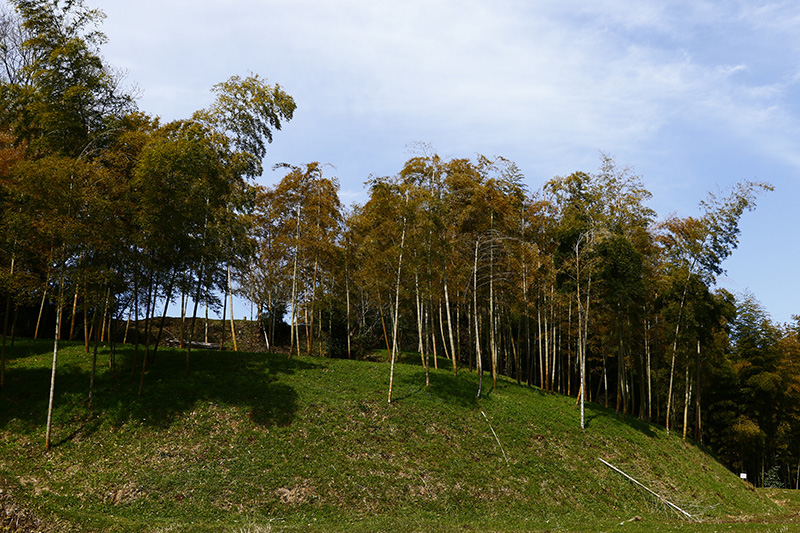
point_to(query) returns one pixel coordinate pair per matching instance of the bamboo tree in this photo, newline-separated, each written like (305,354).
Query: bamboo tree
(698,246)
(395,346)
(50,401)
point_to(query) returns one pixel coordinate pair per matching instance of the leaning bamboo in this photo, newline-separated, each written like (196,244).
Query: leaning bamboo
(661,498)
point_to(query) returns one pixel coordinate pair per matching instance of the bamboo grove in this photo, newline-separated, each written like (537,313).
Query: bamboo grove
(575,287)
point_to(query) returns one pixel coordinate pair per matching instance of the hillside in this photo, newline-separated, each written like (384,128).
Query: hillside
(260,442)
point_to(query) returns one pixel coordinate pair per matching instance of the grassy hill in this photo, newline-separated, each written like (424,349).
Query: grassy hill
(258,442)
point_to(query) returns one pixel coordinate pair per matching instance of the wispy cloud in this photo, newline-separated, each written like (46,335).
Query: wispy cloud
(573,69)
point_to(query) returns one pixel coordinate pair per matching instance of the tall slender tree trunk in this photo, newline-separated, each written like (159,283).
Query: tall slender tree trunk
(74,312)
(230,295)
(478,356)
(540,343)
(421,333)
(526,309)
(383,324)
(396,308)
(620,370)
(105,315)
(59,304)
(97,337)
(41,309)
(127,325)
(294,337)
(184,303)
(441,330)
(113,324)
(450,324)
(222,323)
(648,369)
(432,332)
(136,322)
(674,353)
(553,346)
(514,357)
(583,313)
(698,426)
(347,294)
(312,307)
(420,340)
(570,367)
(426,347)
(492,334)
(687,394)
(149,310)
(86,332)
(471,336)
(458,330)
(546,369)
(194,315)
(564,366)
(164,313)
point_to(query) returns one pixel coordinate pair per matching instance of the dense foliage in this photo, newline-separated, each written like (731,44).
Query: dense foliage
(574,287)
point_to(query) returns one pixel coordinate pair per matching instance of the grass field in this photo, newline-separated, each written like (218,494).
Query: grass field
(259,442)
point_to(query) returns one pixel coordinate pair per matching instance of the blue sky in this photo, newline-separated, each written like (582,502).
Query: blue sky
(694,95)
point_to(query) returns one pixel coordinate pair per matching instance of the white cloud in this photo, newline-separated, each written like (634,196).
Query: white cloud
(609,73)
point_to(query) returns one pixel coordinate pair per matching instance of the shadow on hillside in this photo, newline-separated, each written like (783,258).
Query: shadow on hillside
(460,390)
(596,412)
(24,348)
(244,380)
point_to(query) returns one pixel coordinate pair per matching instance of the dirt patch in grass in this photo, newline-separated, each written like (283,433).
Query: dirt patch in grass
(16,519)
(124,494)
(299,494)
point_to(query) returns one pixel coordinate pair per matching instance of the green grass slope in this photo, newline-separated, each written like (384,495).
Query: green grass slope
(259,442)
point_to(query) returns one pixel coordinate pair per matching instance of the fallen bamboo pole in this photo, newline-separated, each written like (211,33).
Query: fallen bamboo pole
(664,500)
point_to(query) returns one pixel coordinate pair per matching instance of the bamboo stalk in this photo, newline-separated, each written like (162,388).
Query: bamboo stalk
(661,498)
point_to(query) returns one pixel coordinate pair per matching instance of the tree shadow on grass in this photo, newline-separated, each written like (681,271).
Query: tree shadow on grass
(25,348)
(460,390)
(255,382)
(596,412)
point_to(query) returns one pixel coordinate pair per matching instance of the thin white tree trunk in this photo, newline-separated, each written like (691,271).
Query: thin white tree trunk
(420,333)
(347,293)
(539,342)
(450,325)
(675,350)
(441,330)
(127,325)
(396,309)
(492,339)
(546,384)
(184,303)
(294,338)
(60,297)
(478,356)
(41,310)
(230,295)
(687,395)
(581,340)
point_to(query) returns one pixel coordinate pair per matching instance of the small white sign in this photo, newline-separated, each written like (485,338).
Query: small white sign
(743,476)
